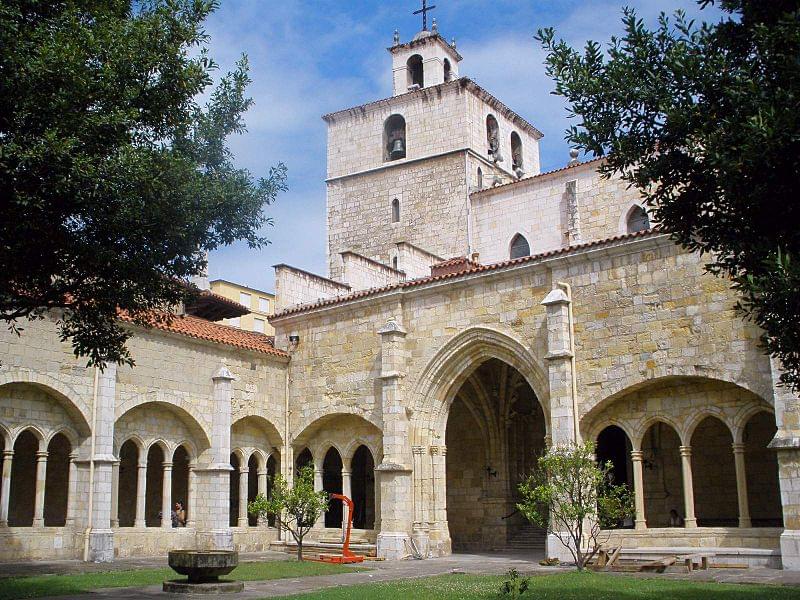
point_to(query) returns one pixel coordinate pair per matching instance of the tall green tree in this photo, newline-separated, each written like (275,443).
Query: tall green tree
(115,180)
(705,121)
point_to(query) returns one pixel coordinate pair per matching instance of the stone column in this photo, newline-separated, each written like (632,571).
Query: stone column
(741,485)
(141,494)
(347,490)
(100,546)
(114,493)
(190,493)
(559,370)
(212,517)
(166,495)
(318,486)
(688,488)
(638,488)
(244,474)
(394,473)
(419,519)
(41,476)
(440,530)
(786,443)
(5,487)
(262,490)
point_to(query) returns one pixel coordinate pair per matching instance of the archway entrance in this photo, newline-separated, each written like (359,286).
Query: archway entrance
(495,432)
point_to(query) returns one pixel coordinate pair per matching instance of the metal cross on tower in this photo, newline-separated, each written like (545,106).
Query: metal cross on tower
(424,11)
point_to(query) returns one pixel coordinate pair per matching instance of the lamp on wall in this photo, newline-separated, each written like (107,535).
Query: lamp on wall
(294,341)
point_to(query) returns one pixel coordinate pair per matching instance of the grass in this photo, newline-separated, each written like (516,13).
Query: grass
(60,585)
(566,586)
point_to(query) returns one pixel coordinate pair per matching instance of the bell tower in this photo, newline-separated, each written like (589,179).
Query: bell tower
(425,61)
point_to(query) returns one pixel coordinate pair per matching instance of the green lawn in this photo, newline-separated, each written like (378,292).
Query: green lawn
(567,586)
(60,585)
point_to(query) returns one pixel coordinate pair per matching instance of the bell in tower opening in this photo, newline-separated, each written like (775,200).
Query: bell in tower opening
(394,138)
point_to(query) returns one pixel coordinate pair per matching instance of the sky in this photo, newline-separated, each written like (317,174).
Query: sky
(308,58)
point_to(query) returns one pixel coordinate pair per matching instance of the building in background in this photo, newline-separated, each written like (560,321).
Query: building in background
(260,304)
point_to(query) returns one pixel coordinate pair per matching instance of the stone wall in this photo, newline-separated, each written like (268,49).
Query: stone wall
(362,273)
(295,286)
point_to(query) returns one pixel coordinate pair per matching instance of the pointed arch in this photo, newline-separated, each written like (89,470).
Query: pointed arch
(395,142)
(636,219)
(518,247)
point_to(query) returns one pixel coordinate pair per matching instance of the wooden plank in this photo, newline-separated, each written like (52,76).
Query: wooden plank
(659,565)
(614,556)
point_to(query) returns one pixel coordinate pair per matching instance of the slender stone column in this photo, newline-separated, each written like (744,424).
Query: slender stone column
(41,476)
(5,487)
(688,488)
(262,490)
(244,473)
(141,495)
(318,486)
(440,501)
(114,493)
(638,488)
(417,453)
(741,485)
(347,490)
(166,495)
(190,493)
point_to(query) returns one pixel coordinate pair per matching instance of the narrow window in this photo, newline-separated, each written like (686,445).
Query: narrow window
(447,71)
(638,220)
(519,247)
(480,178)
(395,211)
(415,75)
(394,138)
(516,151)
(493,138)
(394,263)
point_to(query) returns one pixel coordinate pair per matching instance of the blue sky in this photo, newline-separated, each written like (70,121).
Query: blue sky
(308,58)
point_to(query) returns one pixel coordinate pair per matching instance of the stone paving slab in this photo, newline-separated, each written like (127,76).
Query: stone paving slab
(482,564)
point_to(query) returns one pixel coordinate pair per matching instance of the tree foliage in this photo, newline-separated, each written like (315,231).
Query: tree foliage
(115,181)
(705,121)
(298,507)
(575,498)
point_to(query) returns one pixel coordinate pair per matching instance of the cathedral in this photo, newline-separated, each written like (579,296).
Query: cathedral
(475,311)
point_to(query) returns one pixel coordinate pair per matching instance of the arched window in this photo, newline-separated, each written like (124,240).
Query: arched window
(395,211)
(415,75)
(448,73)
(332,483)
(56,488)
(516,151)
(493,137)
(519,247)
(394,138)
(638,220)
(480,178)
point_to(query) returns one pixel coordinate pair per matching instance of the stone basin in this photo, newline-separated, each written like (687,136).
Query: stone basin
(203,566)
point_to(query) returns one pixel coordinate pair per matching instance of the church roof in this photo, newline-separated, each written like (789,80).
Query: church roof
(209,331)
(524,180)
(470,268)
(464,82)
(424,37)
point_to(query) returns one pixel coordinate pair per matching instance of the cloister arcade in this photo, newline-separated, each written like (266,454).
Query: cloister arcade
(702,460)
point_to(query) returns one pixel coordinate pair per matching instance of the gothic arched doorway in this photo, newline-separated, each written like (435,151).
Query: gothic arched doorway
(495,431)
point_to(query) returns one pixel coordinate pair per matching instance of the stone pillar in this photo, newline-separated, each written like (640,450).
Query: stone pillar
(394,474)
(638,488)
(100,546)
(318,486)
(347,490)
(244,474)
(559,370)
(166,495)
(420,530)
(213,480)
(786,443)
(190,493)
(141,494)
(41,476)
(688,488)
(741,485)
(114,493)
(262,490)
(5,487)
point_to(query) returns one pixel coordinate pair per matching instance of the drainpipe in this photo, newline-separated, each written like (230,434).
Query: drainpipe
(568,291)
(469,205)
(91,465)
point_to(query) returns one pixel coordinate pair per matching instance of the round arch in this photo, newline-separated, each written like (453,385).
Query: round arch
(188,417)
(262,422)
(63,393)
(452,365)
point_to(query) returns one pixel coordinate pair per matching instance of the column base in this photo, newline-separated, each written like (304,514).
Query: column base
(554,548)
(393,545)
(790,549)
(690,523)
(422,541)
(100,546)
(215,539)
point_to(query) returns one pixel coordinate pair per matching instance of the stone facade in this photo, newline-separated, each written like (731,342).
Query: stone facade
(423,388)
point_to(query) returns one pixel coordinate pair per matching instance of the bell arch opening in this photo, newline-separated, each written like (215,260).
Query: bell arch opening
(495,432)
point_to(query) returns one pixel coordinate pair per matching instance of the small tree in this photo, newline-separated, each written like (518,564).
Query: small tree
(574,497)
(298,507)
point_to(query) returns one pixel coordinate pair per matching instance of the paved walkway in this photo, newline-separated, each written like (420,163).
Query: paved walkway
(487,564)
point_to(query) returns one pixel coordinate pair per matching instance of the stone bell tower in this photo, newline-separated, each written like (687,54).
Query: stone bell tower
(401,169)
